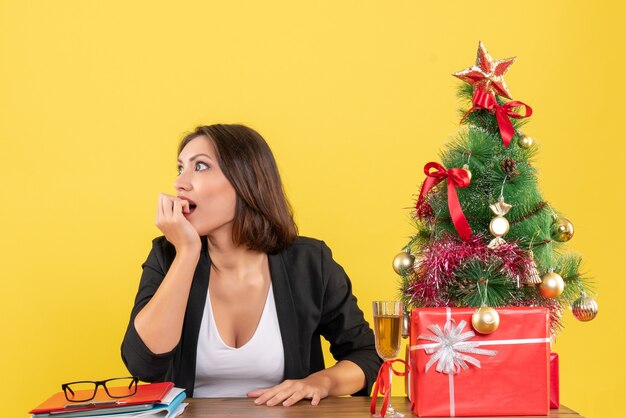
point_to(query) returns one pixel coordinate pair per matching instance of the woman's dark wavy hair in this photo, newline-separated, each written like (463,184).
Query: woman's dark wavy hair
(263,217)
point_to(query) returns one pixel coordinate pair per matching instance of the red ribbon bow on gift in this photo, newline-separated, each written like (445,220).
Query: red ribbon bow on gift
(457,177)
(383,384)
(486,100)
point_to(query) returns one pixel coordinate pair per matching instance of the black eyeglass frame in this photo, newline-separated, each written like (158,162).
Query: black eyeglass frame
(66,387)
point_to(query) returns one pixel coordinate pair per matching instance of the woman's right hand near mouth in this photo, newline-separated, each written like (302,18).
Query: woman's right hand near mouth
(170,219)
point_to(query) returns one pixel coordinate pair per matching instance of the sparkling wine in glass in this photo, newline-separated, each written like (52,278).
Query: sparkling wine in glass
(388,331)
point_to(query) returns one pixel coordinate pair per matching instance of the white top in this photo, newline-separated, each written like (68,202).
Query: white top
(224,371)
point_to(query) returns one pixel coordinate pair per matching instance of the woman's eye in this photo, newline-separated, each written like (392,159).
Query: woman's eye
(201,166)
(179,170)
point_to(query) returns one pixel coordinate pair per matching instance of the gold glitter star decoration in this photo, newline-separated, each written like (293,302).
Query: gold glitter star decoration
(487,74)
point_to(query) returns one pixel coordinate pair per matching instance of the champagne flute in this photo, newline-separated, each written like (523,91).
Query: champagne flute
(387,331)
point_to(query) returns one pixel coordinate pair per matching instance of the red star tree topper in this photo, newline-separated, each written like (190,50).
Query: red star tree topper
(487,74)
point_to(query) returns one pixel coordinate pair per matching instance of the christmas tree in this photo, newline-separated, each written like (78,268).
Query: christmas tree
(485,237)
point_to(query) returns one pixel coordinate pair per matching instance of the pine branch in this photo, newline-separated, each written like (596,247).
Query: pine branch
(481,283)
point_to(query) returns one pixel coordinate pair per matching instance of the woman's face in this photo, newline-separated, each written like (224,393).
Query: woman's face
(201,181)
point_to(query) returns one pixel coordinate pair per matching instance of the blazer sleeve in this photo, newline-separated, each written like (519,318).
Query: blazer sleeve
(138,358)
(343,324)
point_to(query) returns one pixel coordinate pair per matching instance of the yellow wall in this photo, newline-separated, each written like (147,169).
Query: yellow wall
(353,96)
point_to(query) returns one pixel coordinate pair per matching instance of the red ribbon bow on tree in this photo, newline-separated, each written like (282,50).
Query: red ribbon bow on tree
(457,177)
(486,100)
(383,384)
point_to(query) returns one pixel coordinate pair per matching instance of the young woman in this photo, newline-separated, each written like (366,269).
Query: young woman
(232,302)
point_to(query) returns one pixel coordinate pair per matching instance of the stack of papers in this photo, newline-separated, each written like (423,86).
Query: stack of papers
(155,400)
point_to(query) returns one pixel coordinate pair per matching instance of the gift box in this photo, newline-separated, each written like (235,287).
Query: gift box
(456,371)
(554,381)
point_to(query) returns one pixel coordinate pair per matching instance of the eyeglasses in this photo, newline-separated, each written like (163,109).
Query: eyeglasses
(85,390)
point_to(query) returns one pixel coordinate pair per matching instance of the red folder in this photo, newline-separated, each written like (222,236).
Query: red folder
(146,394)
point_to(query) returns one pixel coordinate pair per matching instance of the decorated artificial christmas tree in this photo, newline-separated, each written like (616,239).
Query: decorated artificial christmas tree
(485,276)
(485,237)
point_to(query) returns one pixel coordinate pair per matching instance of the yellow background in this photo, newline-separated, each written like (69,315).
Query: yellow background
(354,97)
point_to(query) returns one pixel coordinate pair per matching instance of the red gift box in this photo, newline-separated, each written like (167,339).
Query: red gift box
(554,381)
(471,374)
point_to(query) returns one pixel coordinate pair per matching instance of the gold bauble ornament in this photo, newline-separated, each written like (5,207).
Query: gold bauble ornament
(525,141)
(552,285)
(467,170)
(562,230)
(485,320)
(403,263)
(585,308)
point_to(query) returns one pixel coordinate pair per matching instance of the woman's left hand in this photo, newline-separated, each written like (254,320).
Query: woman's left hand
(314,387)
